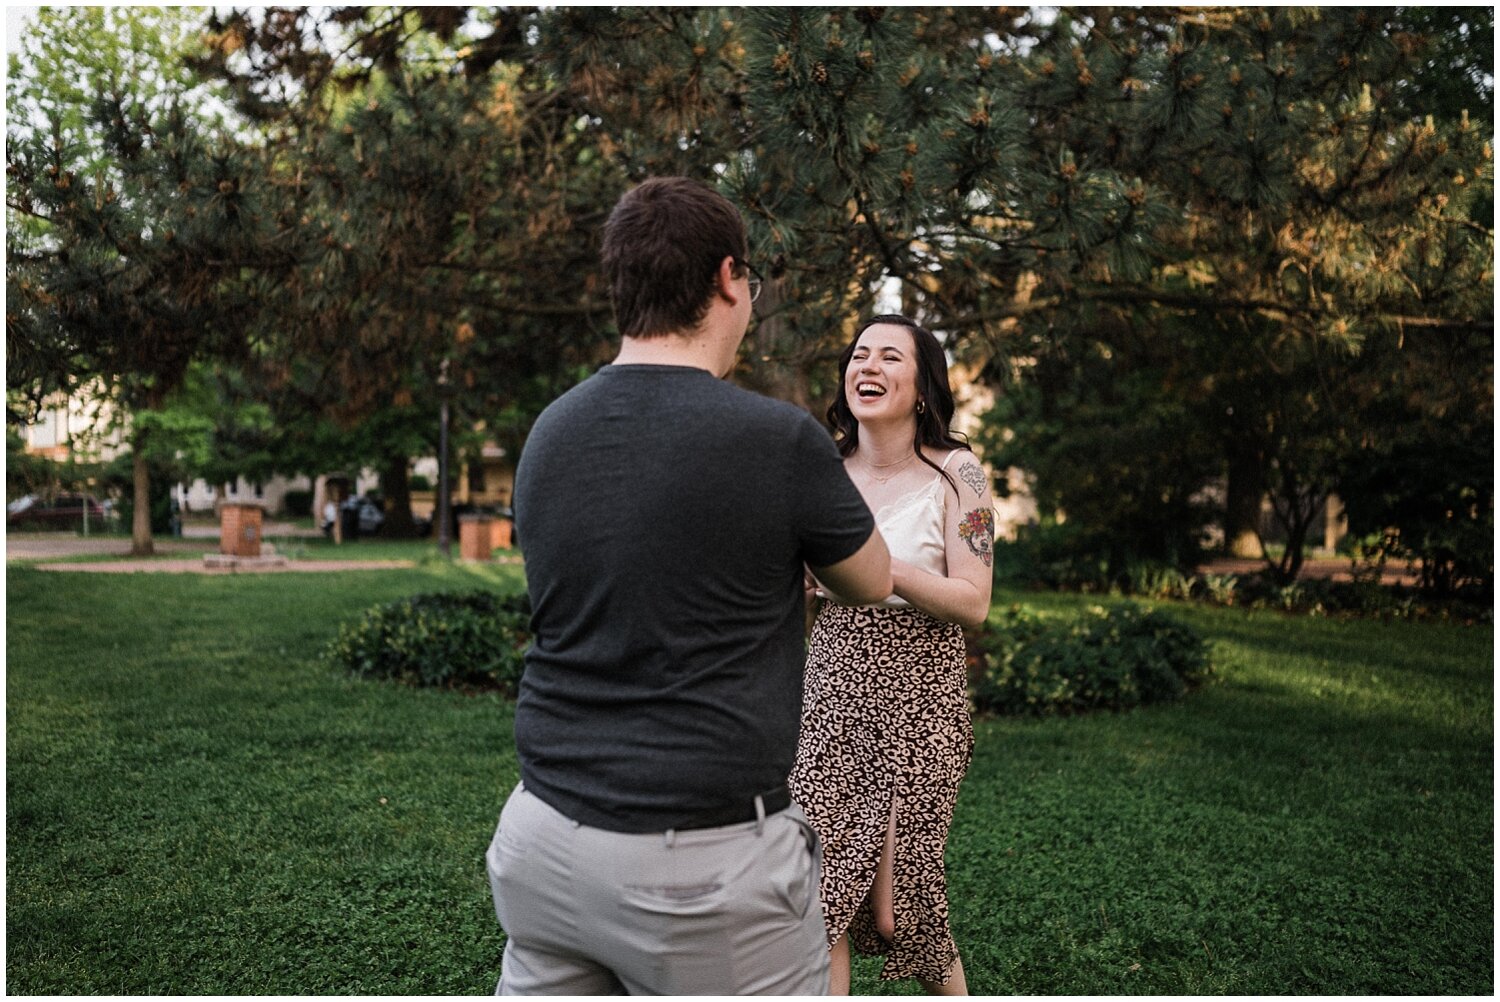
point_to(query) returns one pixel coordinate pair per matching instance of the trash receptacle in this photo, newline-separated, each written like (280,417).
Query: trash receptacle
(475,539)
(500,534)
(239,530)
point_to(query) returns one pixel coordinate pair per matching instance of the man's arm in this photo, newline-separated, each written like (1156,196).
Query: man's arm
(863,578)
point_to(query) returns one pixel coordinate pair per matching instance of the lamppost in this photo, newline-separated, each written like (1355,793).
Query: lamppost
(442,498)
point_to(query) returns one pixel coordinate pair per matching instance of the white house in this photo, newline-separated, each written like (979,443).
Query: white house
(84,427)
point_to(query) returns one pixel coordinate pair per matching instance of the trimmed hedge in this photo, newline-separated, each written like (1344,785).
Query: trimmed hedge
(451,639)
(1104,659)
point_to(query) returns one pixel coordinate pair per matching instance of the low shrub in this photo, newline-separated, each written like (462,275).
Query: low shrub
(1366,599)
(1218,588)
(450,639)
(1363,597)
(1050,555)
(1158,581)
(1071,556)
(1103,659)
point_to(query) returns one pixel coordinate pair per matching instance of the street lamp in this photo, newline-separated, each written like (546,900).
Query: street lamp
(442,498)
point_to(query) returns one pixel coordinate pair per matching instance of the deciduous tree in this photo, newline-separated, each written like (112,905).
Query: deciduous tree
(133,221)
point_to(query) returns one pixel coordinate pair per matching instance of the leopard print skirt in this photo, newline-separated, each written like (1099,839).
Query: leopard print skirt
(885,719)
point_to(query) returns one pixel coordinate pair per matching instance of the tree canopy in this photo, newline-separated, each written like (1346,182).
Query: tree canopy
(1224,234)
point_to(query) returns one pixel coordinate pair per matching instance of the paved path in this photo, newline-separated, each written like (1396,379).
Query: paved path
(188,553)
(198,540)
(1321,568)
(56,545)
(268,530)
(199,567)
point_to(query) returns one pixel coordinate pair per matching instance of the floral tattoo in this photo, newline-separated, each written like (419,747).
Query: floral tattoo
(978,530)
(971,474)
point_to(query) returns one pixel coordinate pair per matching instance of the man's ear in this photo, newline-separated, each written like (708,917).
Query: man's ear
(724,281)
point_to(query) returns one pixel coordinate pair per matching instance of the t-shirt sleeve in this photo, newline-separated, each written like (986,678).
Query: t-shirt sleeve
(832,519)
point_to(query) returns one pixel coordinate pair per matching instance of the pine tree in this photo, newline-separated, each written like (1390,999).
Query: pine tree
(1246,194)
(1326,231)
(449,202)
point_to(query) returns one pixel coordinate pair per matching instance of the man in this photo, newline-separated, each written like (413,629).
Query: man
(651,846)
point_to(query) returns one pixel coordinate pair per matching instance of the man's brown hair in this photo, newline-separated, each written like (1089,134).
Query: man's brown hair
(662,247)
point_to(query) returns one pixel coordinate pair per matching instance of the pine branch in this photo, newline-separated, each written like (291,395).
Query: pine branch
(1469,224)
(1196,303)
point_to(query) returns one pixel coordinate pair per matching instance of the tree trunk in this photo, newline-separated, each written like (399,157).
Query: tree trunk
(1242,496)
(395,484)
(1296,510)
(140,523)
(1296,543)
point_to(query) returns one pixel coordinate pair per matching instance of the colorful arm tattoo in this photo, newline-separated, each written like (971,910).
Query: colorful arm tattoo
(978,530)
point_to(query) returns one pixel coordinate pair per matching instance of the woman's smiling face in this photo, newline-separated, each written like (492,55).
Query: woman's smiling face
(881,380)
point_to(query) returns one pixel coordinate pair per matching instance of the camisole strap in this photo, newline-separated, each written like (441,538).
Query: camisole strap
(948,457)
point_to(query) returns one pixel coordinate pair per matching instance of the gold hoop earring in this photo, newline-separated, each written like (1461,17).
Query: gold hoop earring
(921,407)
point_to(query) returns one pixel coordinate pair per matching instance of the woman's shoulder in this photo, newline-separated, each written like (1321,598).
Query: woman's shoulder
(961,467)
(949,459)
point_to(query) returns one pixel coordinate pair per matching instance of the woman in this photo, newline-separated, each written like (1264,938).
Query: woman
(886,736)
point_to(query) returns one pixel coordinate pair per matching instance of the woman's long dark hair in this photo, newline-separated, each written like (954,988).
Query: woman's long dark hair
(932,389)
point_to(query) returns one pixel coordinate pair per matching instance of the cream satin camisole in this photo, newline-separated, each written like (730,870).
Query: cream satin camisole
(913,526)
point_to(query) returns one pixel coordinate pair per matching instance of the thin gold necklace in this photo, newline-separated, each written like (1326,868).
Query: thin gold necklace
(884,466)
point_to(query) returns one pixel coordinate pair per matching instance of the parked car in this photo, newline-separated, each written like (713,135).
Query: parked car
(363,512)
(64,511)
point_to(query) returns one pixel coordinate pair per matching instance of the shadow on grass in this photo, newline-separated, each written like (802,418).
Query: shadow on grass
(196,804)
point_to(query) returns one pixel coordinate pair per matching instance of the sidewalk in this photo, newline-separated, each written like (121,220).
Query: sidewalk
(56,545)
(197,537)
(187,551)
(1319,568)
(268,530)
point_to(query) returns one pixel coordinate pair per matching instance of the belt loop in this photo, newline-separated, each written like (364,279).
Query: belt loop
(671,838)
(760,815)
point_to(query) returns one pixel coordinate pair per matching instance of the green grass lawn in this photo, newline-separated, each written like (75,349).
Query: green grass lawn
(197,805)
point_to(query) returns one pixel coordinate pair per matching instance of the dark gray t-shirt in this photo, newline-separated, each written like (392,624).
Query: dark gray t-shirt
(665,516)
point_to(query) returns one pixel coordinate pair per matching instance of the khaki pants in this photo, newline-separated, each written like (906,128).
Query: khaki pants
(715,911)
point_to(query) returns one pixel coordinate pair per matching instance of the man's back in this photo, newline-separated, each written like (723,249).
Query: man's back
(652,847)
(666,516)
